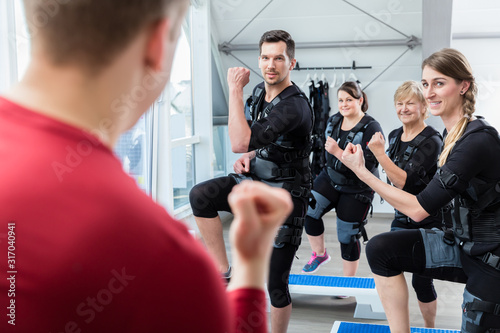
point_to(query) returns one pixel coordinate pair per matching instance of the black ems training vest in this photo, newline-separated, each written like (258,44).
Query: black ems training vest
(340,175)
(401,158)
(476,212)
(286,159)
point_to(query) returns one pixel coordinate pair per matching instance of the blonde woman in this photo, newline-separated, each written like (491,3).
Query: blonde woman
(410,164)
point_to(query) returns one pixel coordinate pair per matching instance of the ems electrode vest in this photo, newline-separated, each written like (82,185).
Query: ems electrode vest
(401,158)
(339,174)
(288,155)
(476,213)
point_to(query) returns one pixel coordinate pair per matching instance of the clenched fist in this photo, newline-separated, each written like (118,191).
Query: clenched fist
(258,210)
(331,146)
(238,77)
(377,144)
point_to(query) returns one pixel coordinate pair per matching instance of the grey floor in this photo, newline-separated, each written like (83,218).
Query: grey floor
(318,313)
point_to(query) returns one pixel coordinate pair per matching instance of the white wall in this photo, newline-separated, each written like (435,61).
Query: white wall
(480,17)
(483,57)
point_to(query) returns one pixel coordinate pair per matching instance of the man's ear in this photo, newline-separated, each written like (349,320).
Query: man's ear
(293,62)
(159,33)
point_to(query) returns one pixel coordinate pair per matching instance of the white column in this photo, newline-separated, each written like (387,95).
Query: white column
(436,25)
(202,89)
(162,190)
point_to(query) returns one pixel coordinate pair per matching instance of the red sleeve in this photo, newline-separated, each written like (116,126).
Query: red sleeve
(249,306)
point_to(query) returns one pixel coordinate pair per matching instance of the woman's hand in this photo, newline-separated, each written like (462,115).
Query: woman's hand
(331,146)
(377,144)
(353,158)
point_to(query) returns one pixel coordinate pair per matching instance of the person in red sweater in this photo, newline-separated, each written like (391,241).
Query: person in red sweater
(85,250)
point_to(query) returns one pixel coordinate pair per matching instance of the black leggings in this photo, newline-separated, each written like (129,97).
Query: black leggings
(391,253)
(209,197)
(423,286)
(347,207)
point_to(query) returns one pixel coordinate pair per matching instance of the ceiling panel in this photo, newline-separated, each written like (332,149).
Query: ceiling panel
(311,29)
(318,20)
(224,10)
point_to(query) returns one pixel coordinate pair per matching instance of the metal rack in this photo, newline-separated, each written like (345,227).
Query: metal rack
(298,68)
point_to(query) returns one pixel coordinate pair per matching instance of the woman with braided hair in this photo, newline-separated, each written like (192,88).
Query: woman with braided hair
(468,176)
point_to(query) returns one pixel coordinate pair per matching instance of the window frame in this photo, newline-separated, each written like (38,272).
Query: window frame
(198,25)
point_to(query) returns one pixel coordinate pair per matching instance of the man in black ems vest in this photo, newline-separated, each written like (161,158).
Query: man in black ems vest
(276,144)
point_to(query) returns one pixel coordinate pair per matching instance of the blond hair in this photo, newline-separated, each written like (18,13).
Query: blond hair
(453,63)
(410,89)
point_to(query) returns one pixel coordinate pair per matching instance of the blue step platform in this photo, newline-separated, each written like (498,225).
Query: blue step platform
(368,303)
(346,327)
(332,281)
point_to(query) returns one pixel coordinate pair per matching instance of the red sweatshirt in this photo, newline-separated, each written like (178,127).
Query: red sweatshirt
(83,249)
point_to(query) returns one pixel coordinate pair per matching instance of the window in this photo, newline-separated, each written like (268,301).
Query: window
(22,40)
(134,149)
(181,122)
(223,155)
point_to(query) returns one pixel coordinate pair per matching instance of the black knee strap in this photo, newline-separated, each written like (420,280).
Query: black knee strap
(366,200)
(288,235)
(473,311)
(483,306)
(471,328)
(297,191)
(362,233)
(298,222)
(491,260)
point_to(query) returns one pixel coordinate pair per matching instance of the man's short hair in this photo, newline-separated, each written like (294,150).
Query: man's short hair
(275,36)
(90,32)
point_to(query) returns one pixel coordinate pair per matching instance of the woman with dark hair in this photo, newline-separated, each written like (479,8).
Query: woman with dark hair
(338,187)
(469,176)
(410,164)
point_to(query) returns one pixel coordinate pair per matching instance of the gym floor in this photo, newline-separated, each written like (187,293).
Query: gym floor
(318,313)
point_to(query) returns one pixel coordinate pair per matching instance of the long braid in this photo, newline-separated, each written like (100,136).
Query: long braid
(469,107)
(455,133)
